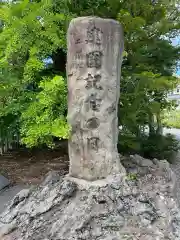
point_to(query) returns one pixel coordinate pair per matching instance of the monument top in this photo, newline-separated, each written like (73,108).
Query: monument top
(95,18)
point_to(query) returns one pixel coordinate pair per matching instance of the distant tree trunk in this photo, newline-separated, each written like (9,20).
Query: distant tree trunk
(152,130)
(159,130)
(139,131)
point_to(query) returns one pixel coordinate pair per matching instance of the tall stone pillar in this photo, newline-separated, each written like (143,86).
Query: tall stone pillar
(95,48)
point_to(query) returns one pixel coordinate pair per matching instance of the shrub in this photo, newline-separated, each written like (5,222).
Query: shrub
(160,147)
(154,146)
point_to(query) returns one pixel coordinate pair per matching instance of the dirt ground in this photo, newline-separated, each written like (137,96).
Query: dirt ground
(25,166)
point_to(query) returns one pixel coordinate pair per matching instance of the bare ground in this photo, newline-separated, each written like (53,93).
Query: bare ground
(29,166)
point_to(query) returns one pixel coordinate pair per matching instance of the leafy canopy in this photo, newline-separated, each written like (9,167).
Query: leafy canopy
(33,63)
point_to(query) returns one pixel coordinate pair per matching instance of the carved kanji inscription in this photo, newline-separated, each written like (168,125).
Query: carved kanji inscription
(94,34)
(94,102)
(93,143)
(77,41)
(93,81)
(93,123)
(94,59)
(78,61)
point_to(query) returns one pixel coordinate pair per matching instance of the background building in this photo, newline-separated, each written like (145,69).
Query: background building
(175,94)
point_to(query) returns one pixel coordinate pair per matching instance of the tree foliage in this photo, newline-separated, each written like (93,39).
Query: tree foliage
(33,64)
(45,116)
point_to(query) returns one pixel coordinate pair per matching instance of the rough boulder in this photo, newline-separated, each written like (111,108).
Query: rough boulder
(138,205)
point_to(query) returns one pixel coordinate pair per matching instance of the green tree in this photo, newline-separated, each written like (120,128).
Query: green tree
(34,32)
(148,67)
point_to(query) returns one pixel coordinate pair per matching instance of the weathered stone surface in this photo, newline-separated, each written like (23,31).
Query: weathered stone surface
(95,49)
(4,182)
(51,178)
(7,194)
(110,209)
(140,161)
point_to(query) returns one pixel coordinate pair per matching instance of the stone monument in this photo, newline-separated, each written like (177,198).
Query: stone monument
(95,48)
(118,207)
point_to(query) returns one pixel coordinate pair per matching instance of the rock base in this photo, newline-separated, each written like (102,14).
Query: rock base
(4,182)
(140,205)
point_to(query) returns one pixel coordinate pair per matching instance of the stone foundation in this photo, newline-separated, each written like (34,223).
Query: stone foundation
(139,205)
